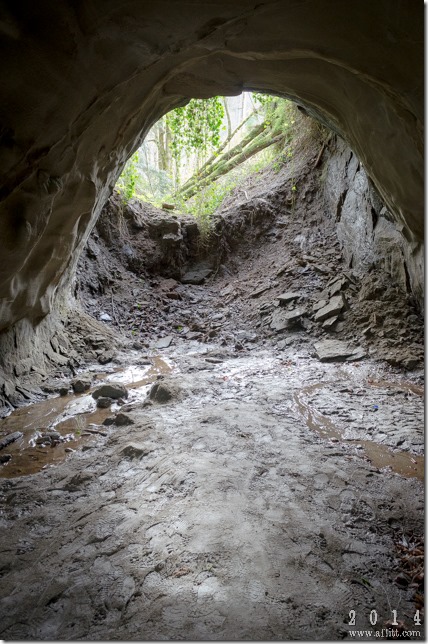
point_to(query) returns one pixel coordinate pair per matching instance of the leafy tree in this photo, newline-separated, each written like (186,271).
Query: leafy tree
(273,130)
(196,126)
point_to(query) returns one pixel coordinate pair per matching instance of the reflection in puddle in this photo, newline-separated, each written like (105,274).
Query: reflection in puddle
(381,456)
(55,427)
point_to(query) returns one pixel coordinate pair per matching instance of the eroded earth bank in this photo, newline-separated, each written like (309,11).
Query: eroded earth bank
(238,454)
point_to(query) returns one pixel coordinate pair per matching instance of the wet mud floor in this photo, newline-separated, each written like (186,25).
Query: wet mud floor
(54,427)
(261,501)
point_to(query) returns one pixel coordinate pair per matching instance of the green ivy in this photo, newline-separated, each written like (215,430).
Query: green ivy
(128,179)
(196,126)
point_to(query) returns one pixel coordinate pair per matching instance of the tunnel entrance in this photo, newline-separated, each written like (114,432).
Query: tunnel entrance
(193,157)
(243,431)
(250,465)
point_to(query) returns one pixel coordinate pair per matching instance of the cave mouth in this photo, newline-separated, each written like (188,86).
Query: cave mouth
(247,491)
(195,155)
(63,157)
(229,437)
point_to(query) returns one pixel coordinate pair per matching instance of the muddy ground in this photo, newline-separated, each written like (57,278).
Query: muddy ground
(246,489)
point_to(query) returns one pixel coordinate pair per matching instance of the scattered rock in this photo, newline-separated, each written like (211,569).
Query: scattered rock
(106,356)
(10,438)
(56,357)
(266,308)
(282,344)
(327,324)
(358,354)
(105,317)
(321,268)
(51,438)
(370,290)
(52,434)
(260,290)
(113,390)
(194,335)
(228,290)
(134,450)
(5,458)
(336,350)
(103,402)
(63,391)
(162,392)
(319,305)
(287,297)
(80,385)
(246,336)
(334,307)
(109,421)
(123,419)
(164,343)
(285,319)
(405,361)
(337,285)
(196,276)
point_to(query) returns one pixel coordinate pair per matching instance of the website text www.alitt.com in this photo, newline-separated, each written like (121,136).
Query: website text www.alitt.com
(384,633)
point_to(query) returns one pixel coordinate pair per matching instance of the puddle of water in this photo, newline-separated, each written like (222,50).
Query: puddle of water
(75,419)
(135,376)
(316,421)
(381,456)
(402,385)
(403,463)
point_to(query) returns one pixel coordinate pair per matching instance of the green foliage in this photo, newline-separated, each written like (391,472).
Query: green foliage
(196,126)
(187,133)
(210,198)
(128,179)
(153,184)
(263,99)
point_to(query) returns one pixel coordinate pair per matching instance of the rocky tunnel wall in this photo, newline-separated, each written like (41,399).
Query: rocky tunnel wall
(82,82)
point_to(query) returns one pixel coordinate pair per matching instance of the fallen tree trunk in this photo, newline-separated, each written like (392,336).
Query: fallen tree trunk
(240,153)
(209,166)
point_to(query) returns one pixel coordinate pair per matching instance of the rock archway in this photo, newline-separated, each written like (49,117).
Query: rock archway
(82,82)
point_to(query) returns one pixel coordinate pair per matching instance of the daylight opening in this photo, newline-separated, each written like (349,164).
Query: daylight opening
(196,155)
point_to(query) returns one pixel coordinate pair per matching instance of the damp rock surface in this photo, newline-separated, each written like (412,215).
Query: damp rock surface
(259,493)
(110,390)
(250,499)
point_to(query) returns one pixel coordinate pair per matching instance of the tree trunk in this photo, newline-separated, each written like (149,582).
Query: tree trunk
(205,169)
(213,163)
(240,153)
